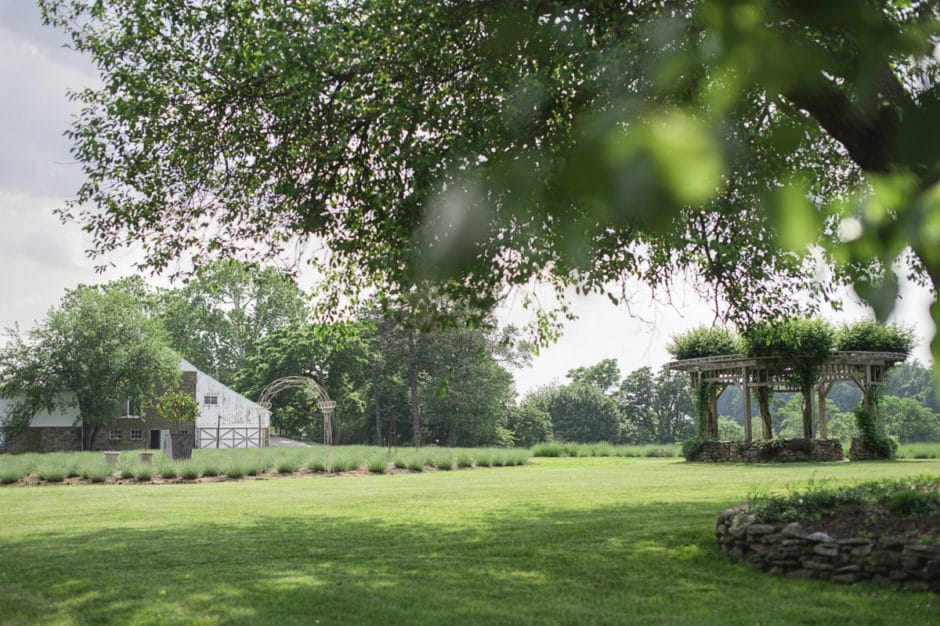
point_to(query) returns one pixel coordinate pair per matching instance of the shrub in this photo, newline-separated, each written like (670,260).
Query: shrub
(168,471)
(344,463)
(287,466)
(143,473)
(548,450)
(188,470)
(464,460)
(9,475)
(703,342)
(483,458)
(692,446)
(875,337)
(52,473)
(874,441)
(378,464)
(235,470)
(918,496)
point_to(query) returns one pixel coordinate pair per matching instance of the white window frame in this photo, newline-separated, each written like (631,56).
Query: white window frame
(126,413)
(210,400)
(114,434)
(137,435)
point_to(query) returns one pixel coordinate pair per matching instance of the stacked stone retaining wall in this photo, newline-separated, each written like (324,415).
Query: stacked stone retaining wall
(771,451)
(798,552)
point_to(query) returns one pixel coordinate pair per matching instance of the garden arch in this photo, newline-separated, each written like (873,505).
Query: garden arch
(316,391)
(715,373)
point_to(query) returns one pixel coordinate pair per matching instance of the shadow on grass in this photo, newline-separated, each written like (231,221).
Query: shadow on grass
(650,564)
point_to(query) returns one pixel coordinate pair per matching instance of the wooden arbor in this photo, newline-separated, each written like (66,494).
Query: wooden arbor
(713,374)
(314,390)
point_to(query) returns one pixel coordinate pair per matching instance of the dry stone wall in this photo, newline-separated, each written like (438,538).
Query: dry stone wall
(798,552)
(771,451)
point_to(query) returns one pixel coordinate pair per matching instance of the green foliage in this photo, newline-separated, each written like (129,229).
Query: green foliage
(704,342)
(178,407)
(101,344)
(557,103)
(819,499)
(530,425)
(866,418)
(168,470)
(729,430)
(218,317)
(603,450)
(604,375)
(692,446)
(875,337)
(581,413)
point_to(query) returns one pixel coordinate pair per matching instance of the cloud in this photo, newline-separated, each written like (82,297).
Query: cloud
(35,72)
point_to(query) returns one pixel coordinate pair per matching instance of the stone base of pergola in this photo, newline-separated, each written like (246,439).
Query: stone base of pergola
(769,451)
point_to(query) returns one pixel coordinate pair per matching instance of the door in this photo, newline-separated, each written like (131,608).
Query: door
(155,439)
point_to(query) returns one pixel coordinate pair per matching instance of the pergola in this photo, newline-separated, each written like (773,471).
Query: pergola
(865,369)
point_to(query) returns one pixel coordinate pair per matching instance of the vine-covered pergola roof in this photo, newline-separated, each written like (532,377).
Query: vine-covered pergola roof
(862,368)
(865,369)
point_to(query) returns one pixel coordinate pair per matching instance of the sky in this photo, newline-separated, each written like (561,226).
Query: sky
(40,257)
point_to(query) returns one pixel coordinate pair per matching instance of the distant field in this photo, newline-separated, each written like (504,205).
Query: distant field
(585,540)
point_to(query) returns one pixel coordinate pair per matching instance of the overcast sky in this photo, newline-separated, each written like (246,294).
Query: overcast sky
(40,257)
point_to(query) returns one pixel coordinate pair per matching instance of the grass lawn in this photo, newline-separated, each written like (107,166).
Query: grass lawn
(564,540)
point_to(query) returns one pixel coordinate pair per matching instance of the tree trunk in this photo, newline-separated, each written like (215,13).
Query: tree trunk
(378,410)
(334,427)
(807,412)
(711,427)
(91,433)
(413,379)
(763,402)
(452,432)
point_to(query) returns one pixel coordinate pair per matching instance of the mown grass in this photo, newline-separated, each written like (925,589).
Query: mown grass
(587,540)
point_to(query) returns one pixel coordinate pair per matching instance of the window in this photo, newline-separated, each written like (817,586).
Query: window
(137,435)
(128,411)
(210,400)
(114,435)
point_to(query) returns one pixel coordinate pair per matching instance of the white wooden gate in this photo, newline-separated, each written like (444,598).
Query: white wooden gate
(237,437)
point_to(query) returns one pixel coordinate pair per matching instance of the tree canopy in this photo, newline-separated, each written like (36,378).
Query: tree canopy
(101,344)
(484,145)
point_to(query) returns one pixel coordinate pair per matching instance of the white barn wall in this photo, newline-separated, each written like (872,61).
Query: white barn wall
(65,418)
(231,411)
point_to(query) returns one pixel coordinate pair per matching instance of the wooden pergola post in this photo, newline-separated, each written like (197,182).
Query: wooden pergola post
(748,436)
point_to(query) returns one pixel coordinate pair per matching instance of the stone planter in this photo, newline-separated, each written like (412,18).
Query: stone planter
(145,458)
(112,457)
(180,446)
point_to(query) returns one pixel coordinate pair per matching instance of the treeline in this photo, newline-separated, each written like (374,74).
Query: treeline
(247,326)
(598,405)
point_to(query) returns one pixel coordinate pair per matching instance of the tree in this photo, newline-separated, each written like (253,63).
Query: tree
(673,407)
(216,319)
(530,425)
(335,356)
(636,399)
(482,145)
(604,375)
(101,344)
(472,393)
(579,412)
(908,420)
